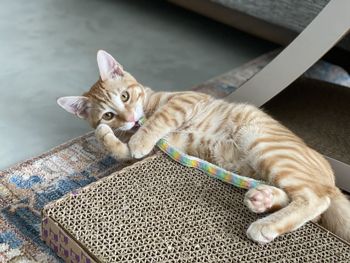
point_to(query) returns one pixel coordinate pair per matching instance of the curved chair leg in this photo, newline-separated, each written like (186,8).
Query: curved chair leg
(329,26)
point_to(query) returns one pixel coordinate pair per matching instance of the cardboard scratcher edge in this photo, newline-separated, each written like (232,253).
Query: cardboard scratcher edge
(62,243)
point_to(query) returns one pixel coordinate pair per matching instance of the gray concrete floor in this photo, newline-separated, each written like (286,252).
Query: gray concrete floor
(48,49)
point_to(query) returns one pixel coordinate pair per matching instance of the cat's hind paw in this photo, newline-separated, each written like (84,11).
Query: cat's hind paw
(259,199)
(265,198)
(261,232)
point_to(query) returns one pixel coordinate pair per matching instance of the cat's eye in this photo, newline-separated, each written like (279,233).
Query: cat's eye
(125,96)
(108,116)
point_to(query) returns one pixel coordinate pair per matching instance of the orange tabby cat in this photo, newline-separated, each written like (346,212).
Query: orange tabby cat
(238,137)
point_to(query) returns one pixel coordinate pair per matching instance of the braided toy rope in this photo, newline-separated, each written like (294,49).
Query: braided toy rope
(204,166)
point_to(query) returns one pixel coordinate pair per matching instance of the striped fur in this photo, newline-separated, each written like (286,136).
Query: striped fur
(236,137)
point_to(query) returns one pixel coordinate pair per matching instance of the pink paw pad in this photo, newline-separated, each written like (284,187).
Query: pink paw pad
(259,200)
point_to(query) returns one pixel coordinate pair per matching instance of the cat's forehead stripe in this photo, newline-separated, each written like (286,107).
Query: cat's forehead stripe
(104,106)
(108,95)
(98,97)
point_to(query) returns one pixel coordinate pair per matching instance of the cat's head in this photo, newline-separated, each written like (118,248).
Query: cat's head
(116,99)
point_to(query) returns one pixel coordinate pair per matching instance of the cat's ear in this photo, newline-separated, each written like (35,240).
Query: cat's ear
(108,66)
(77,105)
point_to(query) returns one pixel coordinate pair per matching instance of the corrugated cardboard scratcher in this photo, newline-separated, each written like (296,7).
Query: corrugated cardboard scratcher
(160,211)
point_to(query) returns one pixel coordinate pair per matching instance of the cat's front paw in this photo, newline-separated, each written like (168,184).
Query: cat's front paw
(102,132)
(140,146)
(262,232)
(107,138)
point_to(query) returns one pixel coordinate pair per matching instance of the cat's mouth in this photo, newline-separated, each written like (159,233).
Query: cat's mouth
(136,126)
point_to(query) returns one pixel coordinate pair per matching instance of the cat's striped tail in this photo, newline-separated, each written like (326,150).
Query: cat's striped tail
(337,217)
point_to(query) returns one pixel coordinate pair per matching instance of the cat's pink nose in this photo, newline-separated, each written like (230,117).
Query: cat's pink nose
(130,117)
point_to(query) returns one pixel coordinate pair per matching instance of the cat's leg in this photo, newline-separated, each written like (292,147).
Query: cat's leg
(166,119)
(306,204)
(265,198)
(112,144)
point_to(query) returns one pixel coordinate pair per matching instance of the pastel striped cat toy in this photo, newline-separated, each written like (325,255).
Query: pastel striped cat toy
(206,167)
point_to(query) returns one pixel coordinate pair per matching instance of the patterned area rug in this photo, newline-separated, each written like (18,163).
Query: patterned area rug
(28,186)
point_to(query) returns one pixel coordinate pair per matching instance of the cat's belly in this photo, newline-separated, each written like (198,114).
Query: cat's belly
(220,151)
(194,144)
